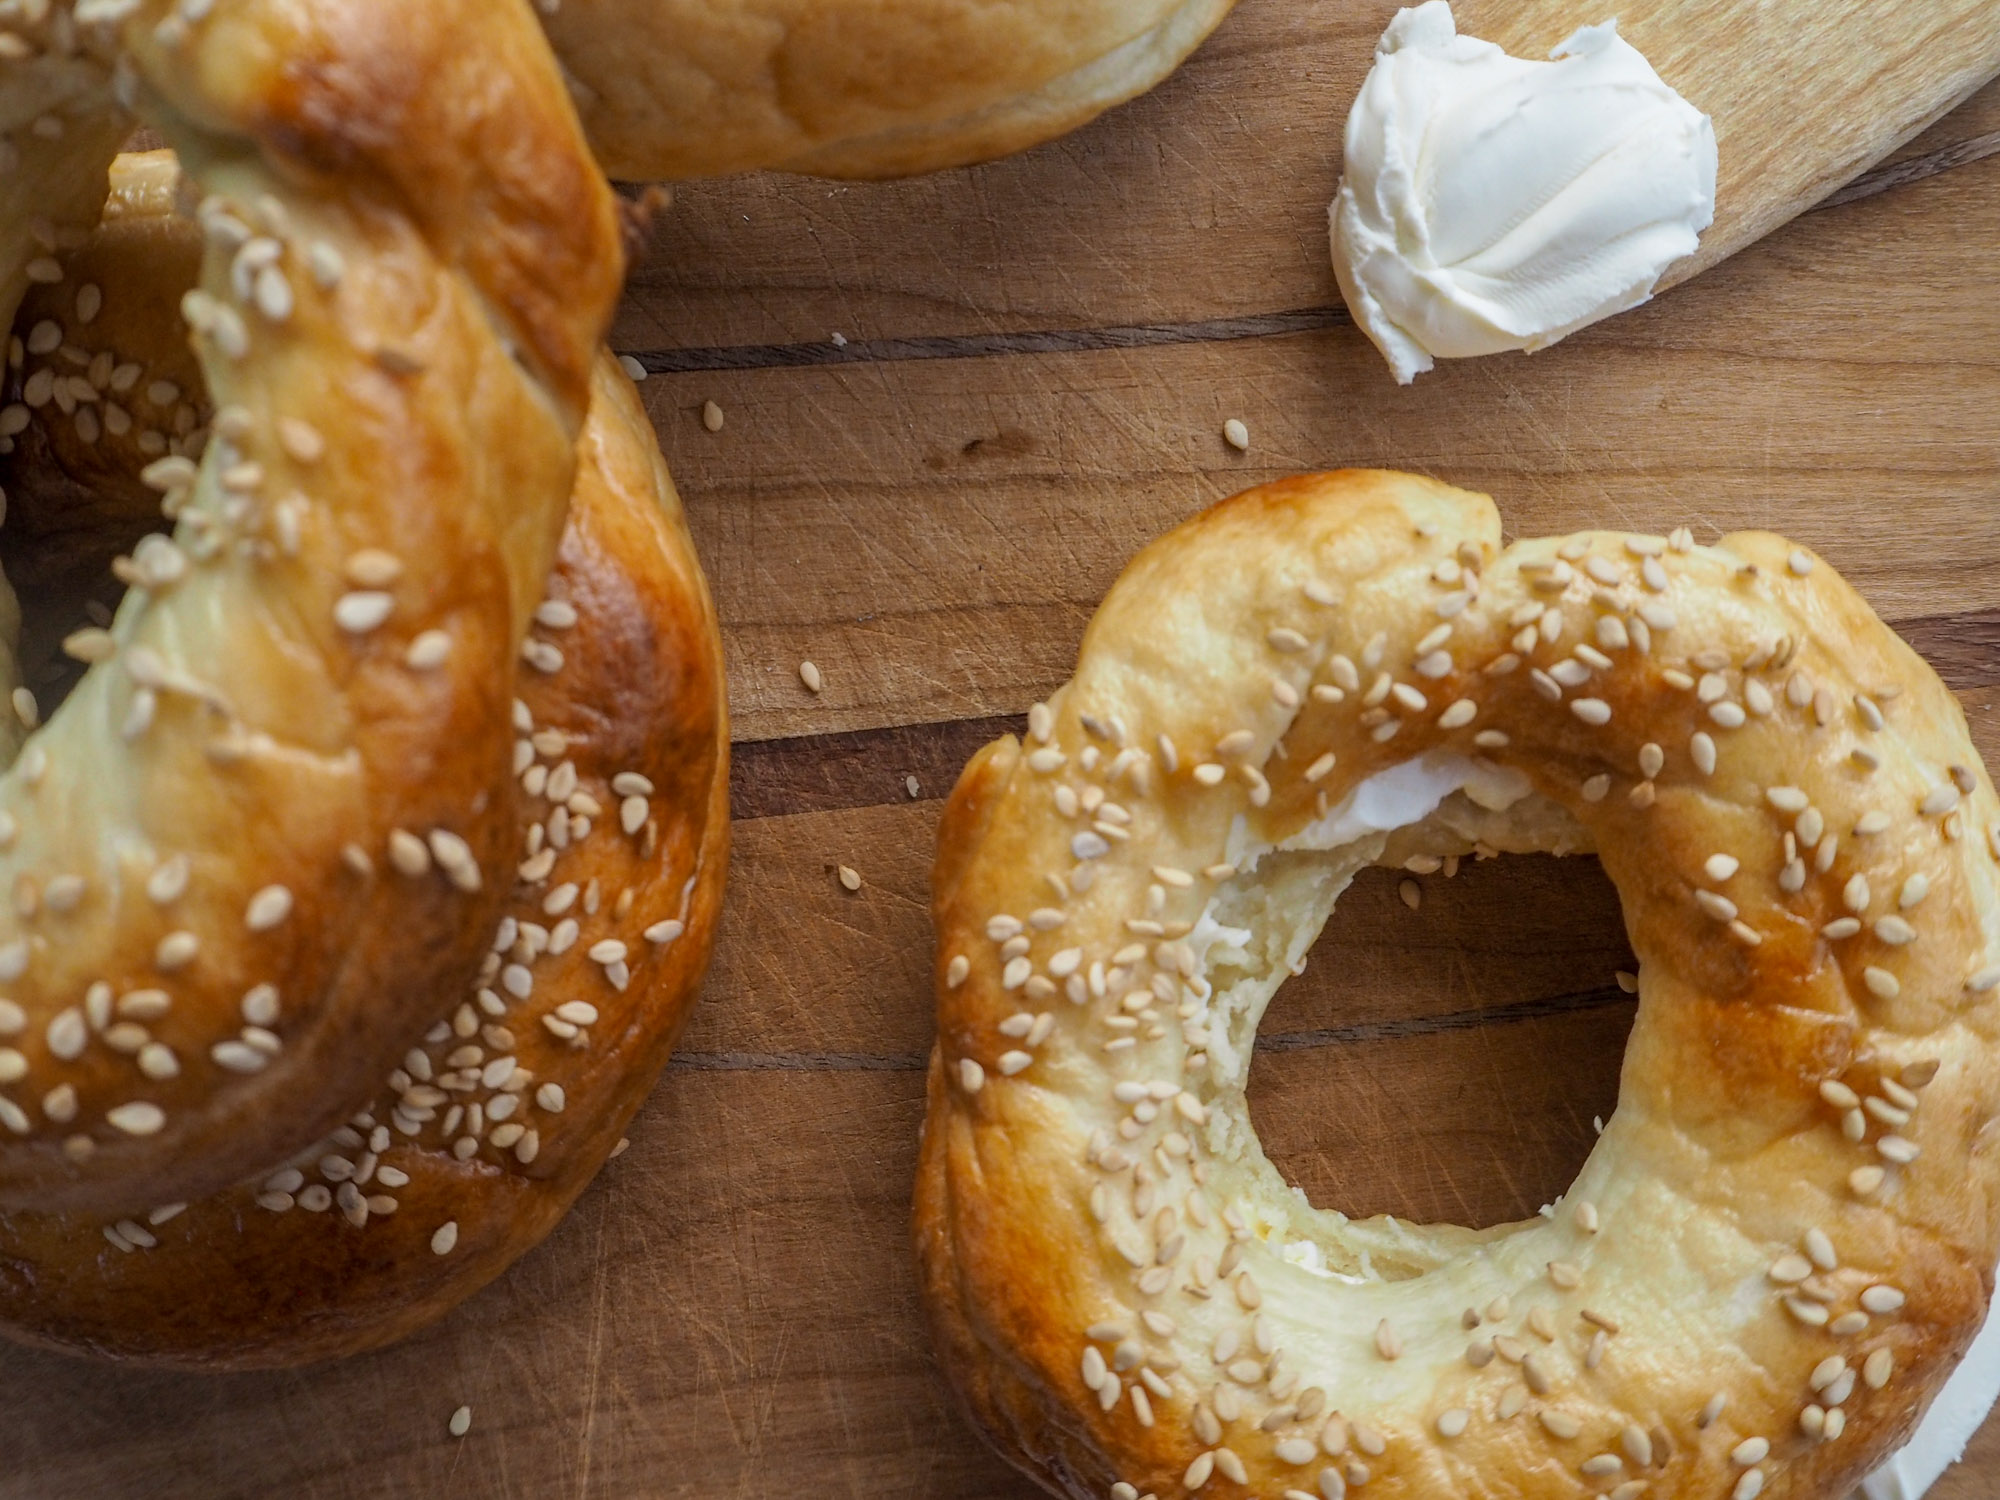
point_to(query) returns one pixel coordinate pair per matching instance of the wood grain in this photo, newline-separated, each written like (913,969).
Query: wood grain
(934,533)
(930,514)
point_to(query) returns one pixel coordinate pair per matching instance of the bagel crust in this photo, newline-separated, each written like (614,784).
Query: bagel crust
(490,1127)
(1782,1241)
(247,854)
(855,88)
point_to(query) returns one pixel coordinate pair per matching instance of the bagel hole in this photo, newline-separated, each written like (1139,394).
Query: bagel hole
(1445,1064)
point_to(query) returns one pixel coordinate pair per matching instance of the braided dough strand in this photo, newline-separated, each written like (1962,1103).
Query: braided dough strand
(247,852)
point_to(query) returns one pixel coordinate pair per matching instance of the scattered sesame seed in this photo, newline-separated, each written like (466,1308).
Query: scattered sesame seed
(461,1422)
(711,416)
(1236,435)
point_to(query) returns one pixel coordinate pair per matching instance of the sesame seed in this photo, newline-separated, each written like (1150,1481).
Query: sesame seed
(850,878)
(1938,801)
(268,908)
(362,611)
(1560,1424)
(1452,1423)
(428,651)
(1790,1269)
(1799,562)
(461,1422)
(1411,893)
(1750,1486)
(1881,983)
(372,568)
(1236,435)
(176,951)
(1716,905)
(1894,931)
(137,1118)
(1882,1298)
(809,674)
(1388,1343)
(1875,1371)
(711,416)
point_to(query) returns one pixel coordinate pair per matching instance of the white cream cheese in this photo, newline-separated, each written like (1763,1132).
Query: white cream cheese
(1948,1426)
(1491,202)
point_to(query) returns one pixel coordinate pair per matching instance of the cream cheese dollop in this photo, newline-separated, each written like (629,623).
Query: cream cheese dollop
(1491,202)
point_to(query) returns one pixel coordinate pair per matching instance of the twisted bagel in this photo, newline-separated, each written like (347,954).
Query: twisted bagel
(484,1135)
(1781,1242)
(245,855)
(691,88)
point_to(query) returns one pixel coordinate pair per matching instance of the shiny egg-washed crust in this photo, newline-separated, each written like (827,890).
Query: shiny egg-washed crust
(856,88)
(1781,1243)
(348,1248)
(289,765)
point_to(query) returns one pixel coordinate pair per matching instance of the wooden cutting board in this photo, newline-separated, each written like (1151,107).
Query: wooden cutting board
(1039,358)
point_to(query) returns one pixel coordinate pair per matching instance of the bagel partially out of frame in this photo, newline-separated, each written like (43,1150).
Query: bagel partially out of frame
(855,88)
(1782,1241)
(478,1138)
(247,855)
(478,1141)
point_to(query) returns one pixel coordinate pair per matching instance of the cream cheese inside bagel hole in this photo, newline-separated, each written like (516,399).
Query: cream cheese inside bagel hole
(1492,203)
(1404,796)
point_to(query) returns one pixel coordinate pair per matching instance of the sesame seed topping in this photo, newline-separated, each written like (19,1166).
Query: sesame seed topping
(137,1118)
(1875,1371)
(362,611)
(461,1422)
(1560,1424)
(268,908)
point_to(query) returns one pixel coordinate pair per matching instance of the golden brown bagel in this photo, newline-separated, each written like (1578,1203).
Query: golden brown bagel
(855,88)
(1782,1241)
(436,1186)
(269,802)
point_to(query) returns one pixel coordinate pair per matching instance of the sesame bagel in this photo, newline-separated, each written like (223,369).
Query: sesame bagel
(855,88)
(1782,1241)
(247,854)
(476,1144)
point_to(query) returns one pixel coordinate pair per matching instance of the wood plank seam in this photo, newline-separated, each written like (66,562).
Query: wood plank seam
(866,767)
(1152,335)
(1404,1028)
